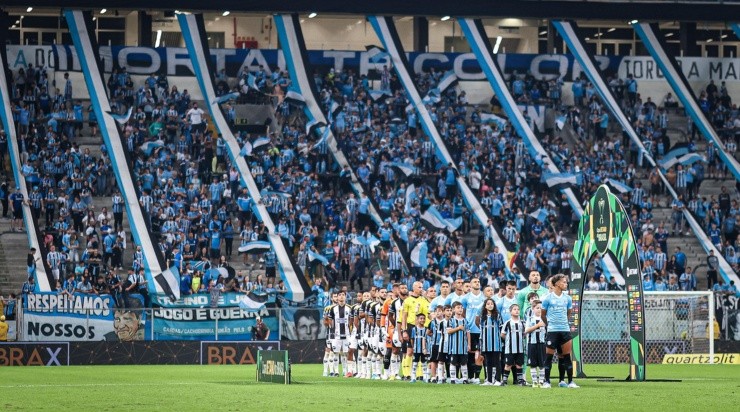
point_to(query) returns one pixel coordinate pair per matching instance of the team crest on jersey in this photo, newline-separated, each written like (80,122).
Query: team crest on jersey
(549,342)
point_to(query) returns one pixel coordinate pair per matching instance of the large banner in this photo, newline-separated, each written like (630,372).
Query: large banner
(54,317)
(194,318)
(175,62)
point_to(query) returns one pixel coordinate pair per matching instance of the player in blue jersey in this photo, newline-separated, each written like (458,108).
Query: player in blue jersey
(436,333)
(473,303)
(556,310)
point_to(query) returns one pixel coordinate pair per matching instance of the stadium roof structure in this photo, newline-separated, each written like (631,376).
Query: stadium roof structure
(678,10)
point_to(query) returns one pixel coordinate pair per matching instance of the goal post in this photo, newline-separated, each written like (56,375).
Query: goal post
(675,323)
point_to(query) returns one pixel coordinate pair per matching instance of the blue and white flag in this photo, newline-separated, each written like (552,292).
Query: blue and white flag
(266,193)
(432,97)
(618,186)
(488,118)
(410,196)
(685,160)
(260,142)
(370,241)
(256,247)
(123,118)
(324,137)
(313,256)
(227,97)
(448,79)
(560,122)
(379,94)
(403,168)
(334,108)
(562,180)
(149,147)
(419,255)
(435,219)
(376,54)
(252,82)
(540,214)
(313,124)
(252,302)
(246,149)
(295,98)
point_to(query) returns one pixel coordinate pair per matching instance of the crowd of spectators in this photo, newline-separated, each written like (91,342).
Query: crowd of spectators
(197,210)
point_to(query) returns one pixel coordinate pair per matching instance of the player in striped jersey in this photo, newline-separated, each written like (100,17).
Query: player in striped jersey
(387,326)
(536,344)
(513,332)
(489,322)
(338,318)
(394,313)
(359,324)
(436,333)
(353,338)
(419,347)
(328,354)
(458,344)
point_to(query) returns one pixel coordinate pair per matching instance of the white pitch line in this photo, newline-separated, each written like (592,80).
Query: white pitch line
(85,385)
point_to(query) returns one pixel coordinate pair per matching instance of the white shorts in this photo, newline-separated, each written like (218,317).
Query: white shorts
(340,345)
(352,341)
(396,339)
(329,343)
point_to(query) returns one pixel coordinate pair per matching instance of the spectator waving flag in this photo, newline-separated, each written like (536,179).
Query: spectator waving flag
(324,137)
(488,118)
(562,180)
(685,160)
(540,214)
(379,94)
(419,255)
(334,108)
(314,257)
(149,147)
(123,118)
(226,97)
(255,247)
(410,196)
(376,54)
(252,82)
(403,168)
(560,122)
(436,220)
(370,241)
(261,141)
(252,302)
(313,124)
(448,80)
(618,186)
(246,149)
(295,98)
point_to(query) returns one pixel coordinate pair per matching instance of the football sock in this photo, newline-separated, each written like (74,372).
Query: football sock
(548,367)
(464,372)
(453,372)
(533,373)
(394,365)
(568,364)
(519,374)
(326,363)
(505,378)
(561,369)
(413,370)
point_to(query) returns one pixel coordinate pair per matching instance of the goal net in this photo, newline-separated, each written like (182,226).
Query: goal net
(675,323)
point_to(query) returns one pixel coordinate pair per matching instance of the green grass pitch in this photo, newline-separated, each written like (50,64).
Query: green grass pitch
(233,388)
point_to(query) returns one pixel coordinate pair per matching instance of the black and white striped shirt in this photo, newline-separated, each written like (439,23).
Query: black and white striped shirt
(339,316)
(537,335)
(514,330)
(394,261)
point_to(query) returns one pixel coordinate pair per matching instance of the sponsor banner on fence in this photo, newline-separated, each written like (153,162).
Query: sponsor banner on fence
(34,354)
(80,317)
(234,353)
(195,319)
(703,359)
